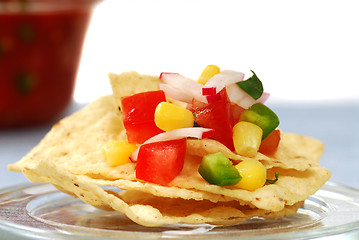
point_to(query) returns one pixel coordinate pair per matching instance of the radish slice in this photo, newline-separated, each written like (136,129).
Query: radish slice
(224,79)
(210,94)
(190,86)
(210,91)
(194,132)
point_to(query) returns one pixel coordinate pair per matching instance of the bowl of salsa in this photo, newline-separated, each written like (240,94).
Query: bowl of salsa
(41,44)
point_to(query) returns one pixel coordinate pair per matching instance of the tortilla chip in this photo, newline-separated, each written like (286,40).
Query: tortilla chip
(274,197)
(70,157)
(130,83)
(294,152)
(75,143)
(270,197)
(147,209)
(308,147)
(196,212)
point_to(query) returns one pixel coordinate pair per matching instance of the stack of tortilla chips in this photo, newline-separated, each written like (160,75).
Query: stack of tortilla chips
(70,157)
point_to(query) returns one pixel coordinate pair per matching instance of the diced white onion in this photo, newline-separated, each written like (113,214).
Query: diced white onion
(176,93)
(224,79)
(190,86)
(238,96)
(194,132)
(184,89)
(247,101)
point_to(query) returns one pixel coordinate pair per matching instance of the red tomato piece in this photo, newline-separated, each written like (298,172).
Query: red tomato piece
(161,162)
(218,116)
(236,111)
(139,115)
(270,144)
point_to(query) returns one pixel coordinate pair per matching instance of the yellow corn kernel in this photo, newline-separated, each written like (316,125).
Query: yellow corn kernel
(118,152)
(247,138)
(253,174)
(208,73)
(169,117)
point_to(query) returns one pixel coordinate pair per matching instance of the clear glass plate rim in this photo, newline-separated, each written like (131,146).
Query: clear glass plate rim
(11,226)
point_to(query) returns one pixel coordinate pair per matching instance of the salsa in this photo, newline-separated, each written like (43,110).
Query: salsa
(237,119)
(40,49)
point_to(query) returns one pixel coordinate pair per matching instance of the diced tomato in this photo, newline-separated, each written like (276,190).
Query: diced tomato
(270,144)
(138,115)
(236,111)
(218,116)
(161,162)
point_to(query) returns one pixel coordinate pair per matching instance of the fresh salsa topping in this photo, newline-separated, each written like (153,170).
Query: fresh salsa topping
(253,174)
(253,86)
(160,162)
(207,73)
(197,132)
(118,152)
(169,117)
(138,115)
(262,116)
(218,116)
(217,169)
(247,138)
(220,105)
(270,144)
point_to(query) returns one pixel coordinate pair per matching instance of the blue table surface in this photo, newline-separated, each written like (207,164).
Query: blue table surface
(334,124)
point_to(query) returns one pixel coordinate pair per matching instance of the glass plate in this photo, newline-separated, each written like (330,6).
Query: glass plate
(35,211)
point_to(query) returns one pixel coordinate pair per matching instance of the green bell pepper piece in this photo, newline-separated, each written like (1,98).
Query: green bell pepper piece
(217,169)
(262,116)
(253,86)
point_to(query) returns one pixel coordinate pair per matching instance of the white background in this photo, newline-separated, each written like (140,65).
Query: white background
(301,50)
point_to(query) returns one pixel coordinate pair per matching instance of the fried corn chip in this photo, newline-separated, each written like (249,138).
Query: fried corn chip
(129,83)
(147,209)
(289,154)
(76,142)
(70,158)
(292,187)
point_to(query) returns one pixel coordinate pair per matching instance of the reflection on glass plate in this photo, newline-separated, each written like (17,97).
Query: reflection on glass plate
(39,210)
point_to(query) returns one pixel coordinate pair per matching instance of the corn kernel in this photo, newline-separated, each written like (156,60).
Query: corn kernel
(169,117)
(247,138)
(208,73)
(253,174)
(118,152)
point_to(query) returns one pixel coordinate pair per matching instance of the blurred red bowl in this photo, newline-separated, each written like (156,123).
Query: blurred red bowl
(40,48)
